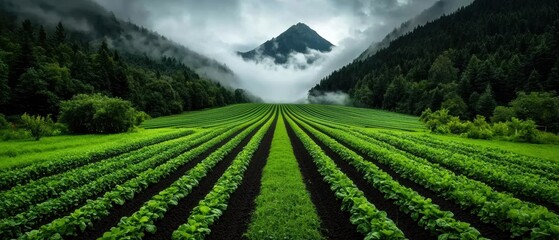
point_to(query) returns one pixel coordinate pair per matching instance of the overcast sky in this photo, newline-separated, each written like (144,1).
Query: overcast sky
(218,28)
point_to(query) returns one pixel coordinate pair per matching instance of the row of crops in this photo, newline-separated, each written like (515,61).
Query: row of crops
(283,172)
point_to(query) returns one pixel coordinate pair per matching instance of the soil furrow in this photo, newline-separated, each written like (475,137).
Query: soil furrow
(177,215)
(138,201)
(235,220)
(486,229)
(376,197)
(335,223)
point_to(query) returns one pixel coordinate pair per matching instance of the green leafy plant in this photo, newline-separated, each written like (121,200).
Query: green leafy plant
(38,126)
(99,114)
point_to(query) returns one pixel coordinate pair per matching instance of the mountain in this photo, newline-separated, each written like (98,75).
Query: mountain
(299,38)
(438,9)
(470,61)
(92,23)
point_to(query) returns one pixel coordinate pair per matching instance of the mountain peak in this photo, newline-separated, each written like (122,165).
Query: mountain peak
(300,25)
(298,38)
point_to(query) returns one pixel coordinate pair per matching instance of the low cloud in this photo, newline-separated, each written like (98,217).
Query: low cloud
(335,98)
(218,29)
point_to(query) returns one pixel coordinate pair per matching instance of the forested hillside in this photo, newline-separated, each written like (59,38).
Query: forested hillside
(482,56)
(40,66)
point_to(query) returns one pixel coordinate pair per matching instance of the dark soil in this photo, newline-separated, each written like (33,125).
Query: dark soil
(486,229)
(335,223)
(79,204)
(409,227)
(496,186)
(177,215)
(234,222)
(138,201)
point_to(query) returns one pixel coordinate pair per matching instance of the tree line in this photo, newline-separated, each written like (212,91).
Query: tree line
(40,67)
(483,56)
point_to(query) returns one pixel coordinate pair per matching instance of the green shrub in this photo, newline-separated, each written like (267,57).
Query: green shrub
(456,126)
(14,134)
(38,126)
(500,129)
(479,129)
(513,129)
(99,114)
(523,131)
(502,114)
(546,137)
(140,118)
(436,121)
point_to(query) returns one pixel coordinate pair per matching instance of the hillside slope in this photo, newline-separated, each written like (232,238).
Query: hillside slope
(438,9)
(488,50)
(92,23)
(51,52)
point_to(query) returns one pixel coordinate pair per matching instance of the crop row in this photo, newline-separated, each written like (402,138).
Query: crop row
(142,221)
(522,183)
(528,164)
(37,214)
(519,163)
(428,215)
(284,209)
(24,196)
(511,179)
(209,118)
(95,210)
(511,214)
(373,223)
(214,203)
(23,175)
(360,117)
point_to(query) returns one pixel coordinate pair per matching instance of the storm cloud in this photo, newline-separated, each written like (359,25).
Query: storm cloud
(219,28)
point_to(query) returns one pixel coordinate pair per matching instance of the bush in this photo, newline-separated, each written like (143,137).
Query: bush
(502,114)
(455,126)
(436,121)
(514,130)
(479,129)
(523,131)
(99,114)
(545,137)
(13,134)
(38,126)
(500,129)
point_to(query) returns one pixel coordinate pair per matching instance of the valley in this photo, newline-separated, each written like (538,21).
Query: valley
(291,119)
(222,174)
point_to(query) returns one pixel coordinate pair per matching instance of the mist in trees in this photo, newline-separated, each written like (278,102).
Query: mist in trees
(41,66)
(469,62)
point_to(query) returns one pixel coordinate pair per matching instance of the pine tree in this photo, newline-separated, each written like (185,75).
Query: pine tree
(42,39)
(59,34)
(442,71)
(552,83)
(4,88)
(394,93)
(25,57)
(533,82)
(486,103)
(104,68)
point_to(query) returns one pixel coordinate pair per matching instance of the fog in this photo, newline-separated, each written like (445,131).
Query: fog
(218,29)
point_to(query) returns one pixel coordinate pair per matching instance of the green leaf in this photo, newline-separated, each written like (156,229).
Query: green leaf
(205,209)
(150,228)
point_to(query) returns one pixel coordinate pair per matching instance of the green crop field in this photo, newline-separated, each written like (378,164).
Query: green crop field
(264,171)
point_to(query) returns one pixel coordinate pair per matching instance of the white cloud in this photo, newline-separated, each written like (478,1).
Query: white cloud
(219,28)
